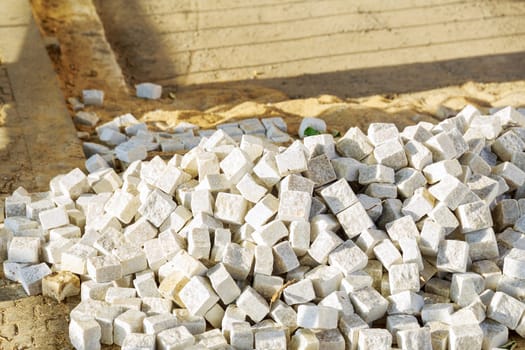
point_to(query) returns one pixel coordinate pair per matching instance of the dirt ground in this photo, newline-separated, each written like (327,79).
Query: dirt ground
(403,93)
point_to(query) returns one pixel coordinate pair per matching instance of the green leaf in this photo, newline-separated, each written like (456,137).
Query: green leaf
(309,131)
(336,133)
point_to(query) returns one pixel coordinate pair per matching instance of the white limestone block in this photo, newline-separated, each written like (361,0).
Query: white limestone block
(93,97)
(369,304)
(170,178)
(396,323)
(270,233)
(123,206)
(214,316)
(411,252)
(323,245)
(418,155)
(236,165)
(294,205)
(315,316)
(230,208)
(514,263)
(198,295)
(134,341)
(253,304)
(284,315)
(506,310)
(368,239)
(449,191)
(403,227)
(374,338)
(52,218)
(340,301)
(175,338)
(201,202)
(482,244)
(259,214)
(391,153)
(338,196)
(263,260)
(354,220)
(299,236)
(514,176)
(354,144)
(157,323)
(223,284)
(74,183)
(156,305)
(199,244)
(127,323)
(146,286)
(241,336)
(132,259)
(270,338)
(299,292)
(403,277)
(437,312)
(348,258)
(442,215)
(31,277)
(376,173)
(140,231)
(148,91)
(350,325)
(465,337)
(284,258)
(419,204)
(406,302)
(250,189)
(252,145)
(355,281)
(494,334)
(466,287)
(387,254)
(267,286)
(304,339)
(415,338)
(157,207)
(84,333)
(452,256)
(408,180)
(266,169)
(474,216)
(24,250)
(104,268)
(74,259)
(252,126)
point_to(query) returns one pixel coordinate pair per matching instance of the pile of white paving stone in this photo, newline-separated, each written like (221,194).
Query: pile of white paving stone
(412,239)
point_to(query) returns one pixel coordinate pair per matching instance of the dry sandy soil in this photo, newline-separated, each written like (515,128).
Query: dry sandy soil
(422,60)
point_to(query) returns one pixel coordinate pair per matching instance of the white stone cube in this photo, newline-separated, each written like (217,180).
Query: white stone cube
(198,295)
(223,284)
(354,220)
(374,338)
(253,304)
(230,208)
(84,333)
(314,316)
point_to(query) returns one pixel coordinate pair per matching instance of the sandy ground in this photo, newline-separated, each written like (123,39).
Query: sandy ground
(403,77)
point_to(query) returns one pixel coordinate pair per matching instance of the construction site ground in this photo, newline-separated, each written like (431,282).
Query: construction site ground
(351,63)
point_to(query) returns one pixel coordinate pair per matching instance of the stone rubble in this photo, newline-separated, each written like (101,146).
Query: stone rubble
(240,243)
